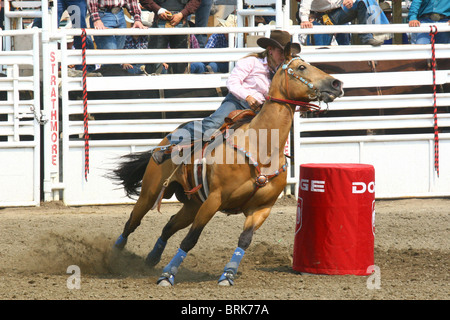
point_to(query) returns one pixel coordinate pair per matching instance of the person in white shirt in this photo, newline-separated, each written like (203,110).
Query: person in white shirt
(337,12)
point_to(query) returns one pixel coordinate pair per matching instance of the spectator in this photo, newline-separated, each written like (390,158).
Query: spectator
(135,42)
(77,10)
(322,39)
(172,15)
(216,40)
(107,14)
(247,84)
(387,9)
(429,11)
(201,20)
(337,12)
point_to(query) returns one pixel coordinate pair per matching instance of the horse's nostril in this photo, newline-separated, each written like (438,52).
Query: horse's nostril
(336,84)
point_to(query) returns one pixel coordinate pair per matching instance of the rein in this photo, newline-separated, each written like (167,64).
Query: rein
(309,106)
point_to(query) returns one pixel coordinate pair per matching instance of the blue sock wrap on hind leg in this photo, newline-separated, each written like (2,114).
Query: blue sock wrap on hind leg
(120,242)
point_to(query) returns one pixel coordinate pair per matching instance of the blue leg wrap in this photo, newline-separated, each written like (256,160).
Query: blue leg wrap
(231,267)
(120,242)
(155,255)
(171,269)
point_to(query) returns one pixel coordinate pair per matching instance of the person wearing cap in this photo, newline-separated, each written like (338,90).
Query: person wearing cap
(429,11)
(107,14)
(337,12)
(248,85)
(170,14)
(216,40)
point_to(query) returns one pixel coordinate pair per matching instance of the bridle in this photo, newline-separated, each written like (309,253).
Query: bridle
(289,71)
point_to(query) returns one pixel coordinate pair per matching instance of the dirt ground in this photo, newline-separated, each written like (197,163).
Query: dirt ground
(412,250)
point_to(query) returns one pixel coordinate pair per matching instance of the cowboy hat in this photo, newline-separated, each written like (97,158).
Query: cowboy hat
(278,38)
(231,21)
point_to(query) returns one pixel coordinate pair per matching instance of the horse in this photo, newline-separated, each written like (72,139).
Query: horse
(250,183)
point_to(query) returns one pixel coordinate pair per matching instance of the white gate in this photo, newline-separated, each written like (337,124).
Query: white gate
(403,162)
(20,123)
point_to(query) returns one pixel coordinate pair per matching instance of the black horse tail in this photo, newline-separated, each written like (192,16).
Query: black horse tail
(131,170)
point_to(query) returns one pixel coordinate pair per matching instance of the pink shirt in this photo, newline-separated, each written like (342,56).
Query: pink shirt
(250,77)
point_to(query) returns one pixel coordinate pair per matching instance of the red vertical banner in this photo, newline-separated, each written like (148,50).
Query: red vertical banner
(54,111)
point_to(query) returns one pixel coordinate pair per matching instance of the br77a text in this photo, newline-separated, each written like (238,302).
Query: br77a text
(246,309)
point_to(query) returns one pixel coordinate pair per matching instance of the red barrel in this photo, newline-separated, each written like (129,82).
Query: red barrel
(335,219)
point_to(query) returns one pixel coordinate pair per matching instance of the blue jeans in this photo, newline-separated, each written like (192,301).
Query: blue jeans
(359,11)
(203,129)
(425,38)
(111,20)
(136,69)
(77,11)
(201,20)
(200,67)
(325,39)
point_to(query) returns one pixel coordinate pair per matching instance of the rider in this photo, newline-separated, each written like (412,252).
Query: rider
(247,85)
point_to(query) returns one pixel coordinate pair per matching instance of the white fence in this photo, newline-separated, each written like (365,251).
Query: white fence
(136,121)
(19,125)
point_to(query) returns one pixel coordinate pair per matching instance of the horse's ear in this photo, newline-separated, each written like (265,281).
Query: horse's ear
(291,49)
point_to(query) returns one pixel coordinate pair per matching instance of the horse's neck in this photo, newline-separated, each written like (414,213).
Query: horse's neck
(277,119)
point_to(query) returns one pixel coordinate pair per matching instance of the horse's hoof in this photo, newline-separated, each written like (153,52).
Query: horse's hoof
(165,283)
(225,283)
(166,280)
(120,242)
(226,279)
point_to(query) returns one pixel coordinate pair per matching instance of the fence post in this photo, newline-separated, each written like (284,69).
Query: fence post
(50,64)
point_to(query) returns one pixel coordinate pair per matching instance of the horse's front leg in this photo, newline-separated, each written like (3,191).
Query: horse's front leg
(251,224)
(204,215)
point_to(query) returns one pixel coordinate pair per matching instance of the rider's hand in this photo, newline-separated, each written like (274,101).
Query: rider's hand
(252,102)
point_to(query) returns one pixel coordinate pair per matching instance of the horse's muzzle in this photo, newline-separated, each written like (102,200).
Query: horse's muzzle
(331,89)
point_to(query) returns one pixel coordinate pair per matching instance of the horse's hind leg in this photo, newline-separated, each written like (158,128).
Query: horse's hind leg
(139,211)
(252,223)
(151,187)
(180,220)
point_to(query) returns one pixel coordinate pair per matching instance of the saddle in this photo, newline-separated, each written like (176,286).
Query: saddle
(234,119)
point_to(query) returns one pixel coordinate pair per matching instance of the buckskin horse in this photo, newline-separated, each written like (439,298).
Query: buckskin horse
(250,184)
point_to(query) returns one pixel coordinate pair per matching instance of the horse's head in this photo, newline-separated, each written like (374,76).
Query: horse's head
(298,80)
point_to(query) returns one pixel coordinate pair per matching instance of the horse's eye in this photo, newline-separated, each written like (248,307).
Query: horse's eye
(301,67)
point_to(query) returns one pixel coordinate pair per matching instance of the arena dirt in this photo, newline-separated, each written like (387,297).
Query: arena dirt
(39,244)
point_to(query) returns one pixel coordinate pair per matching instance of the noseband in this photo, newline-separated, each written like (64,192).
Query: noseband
(289,71)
